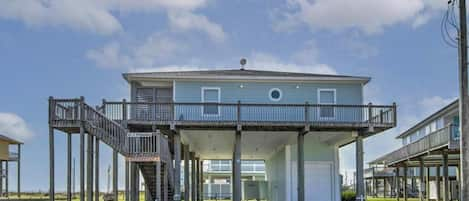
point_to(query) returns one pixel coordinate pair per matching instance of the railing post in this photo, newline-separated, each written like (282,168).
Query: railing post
(124,112)
(306,113)
(370,113)
(51,109)
(238,112)
(381,116)
(82,108)
(104,105)
(394,106)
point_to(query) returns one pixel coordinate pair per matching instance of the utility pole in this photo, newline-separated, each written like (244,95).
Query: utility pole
(463,102)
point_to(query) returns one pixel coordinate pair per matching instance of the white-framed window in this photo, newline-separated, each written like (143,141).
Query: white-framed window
(210,95)
(326,97)
(275,94)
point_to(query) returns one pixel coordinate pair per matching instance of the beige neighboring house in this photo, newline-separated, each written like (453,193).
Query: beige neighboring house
(10,151)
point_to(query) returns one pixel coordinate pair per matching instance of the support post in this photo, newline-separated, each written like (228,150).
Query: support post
(445,177)
(82,163)
(398,184)
(201,181)
(51,165)
(438,183)
(193,178)
(422,181)
(89,170)
(360,196)
(115,190)
(96,171)
(1,178)
(427,184)
(186,173)
(18,183)
(197,178)
(165,185)
(177,166)
(405,182)
(69,167)
(126,181)
(237,167)
(301,167)
(158,180)
(132,182)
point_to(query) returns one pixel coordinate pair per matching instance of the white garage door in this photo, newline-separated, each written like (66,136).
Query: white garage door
(318,181)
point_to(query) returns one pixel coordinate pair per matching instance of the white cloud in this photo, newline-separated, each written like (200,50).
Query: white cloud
(187,21)
(367,16)
(264,61)
(14,126)
(79,15)
(154,51)
(97,16)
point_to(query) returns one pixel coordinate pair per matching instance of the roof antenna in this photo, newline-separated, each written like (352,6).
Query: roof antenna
(243,62)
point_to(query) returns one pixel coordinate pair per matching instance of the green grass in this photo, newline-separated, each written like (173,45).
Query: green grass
(390,199)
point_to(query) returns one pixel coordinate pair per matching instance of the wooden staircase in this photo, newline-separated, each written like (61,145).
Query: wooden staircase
(143,148)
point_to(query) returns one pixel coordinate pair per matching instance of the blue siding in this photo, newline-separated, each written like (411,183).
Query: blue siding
(231,92)
(253,92)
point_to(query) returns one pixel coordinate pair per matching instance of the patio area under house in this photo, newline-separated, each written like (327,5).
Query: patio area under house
(174,121)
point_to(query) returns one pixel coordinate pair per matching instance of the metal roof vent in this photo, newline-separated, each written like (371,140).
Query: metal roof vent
(243,62)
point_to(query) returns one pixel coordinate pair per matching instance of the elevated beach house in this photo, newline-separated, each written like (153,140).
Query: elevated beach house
(295,122)
(427,164)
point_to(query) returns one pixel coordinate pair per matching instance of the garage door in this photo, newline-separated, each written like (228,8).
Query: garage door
(318,181)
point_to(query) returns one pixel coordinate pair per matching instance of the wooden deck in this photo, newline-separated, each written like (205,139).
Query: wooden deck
(444,138)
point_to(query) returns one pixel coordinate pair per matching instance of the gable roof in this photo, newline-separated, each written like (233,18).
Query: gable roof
(239,74)
(453,105)
(9,140)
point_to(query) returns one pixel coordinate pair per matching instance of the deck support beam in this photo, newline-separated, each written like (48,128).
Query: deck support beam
(82,163)
(421,178)
(397,188)
(360,196)
(438,183)
(186,173)
(126,181)
(197,180)
(115,189)
(158,181)
(51,165)
(18,172)
(405,182)
(89,170)
(69,167)
(237,167)
(177,166)
(427,184)
(96,170)
(445,177)
(193,177)
(301,166)
(201,181)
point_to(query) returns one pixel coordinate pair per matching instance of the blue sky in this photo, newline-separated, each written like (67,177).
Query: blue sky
(68,48)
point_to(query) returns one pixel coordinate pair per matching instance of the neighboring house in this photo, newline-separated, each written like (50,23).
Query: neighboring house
(10,152)
(430,147)
(217,176)
(295,122)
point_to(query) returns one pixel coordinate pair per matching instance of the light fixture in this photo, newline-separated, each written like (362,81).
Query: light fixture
(297,86)
(241,86)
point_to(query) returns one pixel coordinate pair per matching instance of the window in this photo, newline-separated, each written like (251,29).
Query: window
(326,97)
(275,94)
(210,95)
